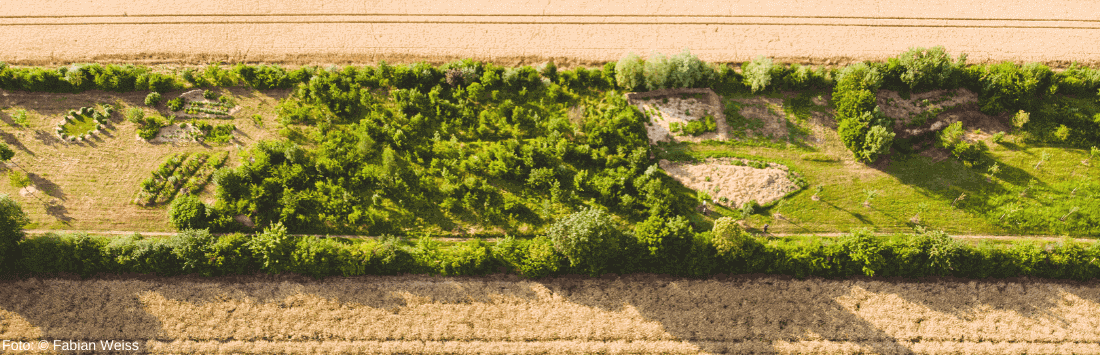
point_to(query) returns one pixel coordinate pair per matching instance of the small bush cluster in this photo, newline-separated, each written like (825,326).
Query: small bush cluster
(76,126)
(148,126)
(221,133)
(152,99)
(683,70)
(951,138)
(864,129)
(176,104)
(695,127)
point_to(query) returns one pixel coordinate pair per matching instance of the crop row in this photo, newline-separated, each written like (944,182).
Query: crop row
(200,178)
(169,178)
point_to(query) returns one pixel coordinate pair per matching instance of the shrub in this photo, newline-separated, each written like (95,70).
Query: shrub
(12,220)
(6,153)
(20,118)
(209,95)
(877,143)
(51,254)
(697,127)
(187,212)
(758,73)
(657,69)
(630,72)
(175,104)
(748,208)
(859,76)
(864,250)
(231,255)
(664,237)
(730,241)
(550,71)
(135,115)
(929,68)
(587,238)
(194,247)
(19,179)
(152,99)
(998,137)
(273,249)
(318,257)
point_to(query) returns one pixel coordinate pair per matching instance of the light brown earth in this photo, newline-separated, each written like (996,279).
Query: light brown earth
(737,184)
(575,32)
(500,314)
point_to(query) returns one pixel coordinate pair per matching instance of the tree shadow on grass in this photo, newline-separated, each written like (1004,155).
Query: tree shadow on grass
(47,186)
(10,139)
(56,209)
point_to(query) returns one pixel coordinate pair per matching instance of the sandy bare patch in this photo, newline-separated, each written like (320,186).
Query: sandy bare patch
(736,184)
(666,107)
(27,191)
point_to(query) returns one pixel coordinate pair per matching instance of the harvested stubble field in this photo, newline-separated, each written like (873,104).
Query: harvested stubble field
(504,314)
(578,32)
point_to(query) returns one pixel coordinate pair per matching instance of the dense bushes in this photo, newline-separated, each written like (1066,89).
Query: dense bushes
(12,220)
(862,127)
(588,239)
(727,249)
(187,212)
(928,69)
(82,77)
(683,70)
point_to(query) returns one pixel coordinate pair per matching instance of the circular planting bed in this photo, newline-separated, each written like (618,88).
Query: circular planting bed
(82,124)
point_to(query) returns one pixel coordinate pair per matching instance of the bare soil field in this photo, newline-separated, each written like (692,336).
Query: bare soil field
(574,32)
(504,314)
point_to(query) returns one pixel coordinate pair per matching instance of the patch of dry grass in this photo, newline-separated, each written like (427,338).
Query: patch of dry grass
(503,314)
(91,185)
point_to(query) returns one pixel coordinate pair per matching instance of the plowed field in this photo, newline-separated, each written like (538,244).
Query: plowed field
(513,32)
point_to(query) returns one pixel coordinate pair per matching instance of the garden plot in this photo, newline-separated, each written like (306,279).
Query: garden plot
(682,117)
(731,183)
(197,106)
(176,133)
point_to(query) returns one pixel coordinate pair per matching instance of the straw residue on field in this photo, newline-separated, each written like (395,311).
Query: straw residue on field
(720,178)
(504,314)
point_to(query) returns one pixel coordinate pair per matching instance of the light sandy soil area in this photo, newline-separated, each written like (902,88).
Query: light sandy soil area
(501,314)
(577,32)
(737,184)
(664,111)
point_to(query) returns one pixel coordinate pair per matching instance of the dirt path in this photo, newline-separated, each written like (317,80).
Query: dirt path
(574,31)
